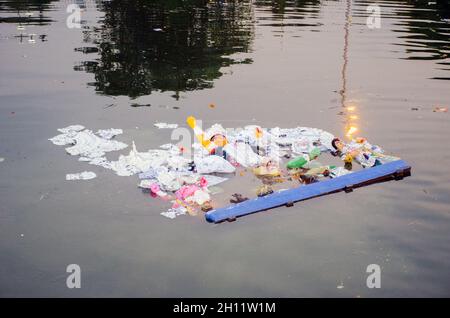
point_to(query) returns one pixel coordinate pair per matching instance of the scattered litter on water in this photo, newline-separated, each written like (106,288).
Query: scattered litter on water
(272,155)
(85,175)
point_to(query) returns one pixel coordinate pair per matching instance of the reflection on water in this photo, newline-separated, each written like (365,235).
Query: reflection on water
(423,28)
(281,14)
(305,53)
(25,12)
(171,46)
(427,31)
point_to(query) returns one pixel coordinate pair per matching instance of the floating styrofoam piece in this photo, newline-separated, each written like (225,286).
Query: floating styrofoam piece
(166,126)
(2,159)
(85,175)
(243,154)
(212,164)
(109,133)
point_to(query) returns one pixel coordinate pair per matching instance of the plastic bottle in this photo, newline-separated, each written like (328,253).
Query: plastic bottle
(299,162)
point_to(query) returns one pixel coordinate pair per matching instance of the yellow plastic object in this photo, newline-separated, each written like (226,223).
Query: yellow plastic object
(191,121)
(207,144)
(267,171)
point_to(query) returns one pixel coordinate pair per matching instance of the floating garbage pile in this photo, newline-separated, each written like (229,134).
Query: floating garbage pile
(185,179)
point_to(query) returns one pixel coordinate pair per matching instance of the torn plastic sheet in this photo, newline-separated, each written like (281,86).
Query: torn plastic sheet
(85,143)
(85,175)
(288,136)
(169,181)
(212,164)
(109,133)
(243,154)
(214,180)
(166,126)
(253,135)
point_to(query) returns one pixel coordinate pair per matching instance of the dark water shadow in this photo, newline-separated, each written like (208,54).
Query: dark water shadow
(174,46)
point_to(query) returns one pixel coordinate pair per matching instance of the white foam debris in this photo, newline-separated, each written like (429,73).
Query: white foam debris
(87,144)
(109,133)
(85,175)
(166,126)
(71,128)
(172,213)
(136,162)
(2,159)
(67,136)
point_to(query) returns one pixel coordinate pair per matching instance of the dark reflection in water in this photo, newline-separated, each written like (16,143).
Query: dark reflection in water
(173,46)
(25,12)
(428,32)
(288,13)
(422,25)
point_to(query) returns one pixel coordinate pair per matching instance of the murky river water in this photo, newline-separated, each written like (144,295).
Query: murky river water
(275,63)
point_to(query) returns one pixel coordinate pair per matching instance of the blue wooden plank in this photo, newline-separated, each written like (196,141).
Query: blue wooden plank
(346,182)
